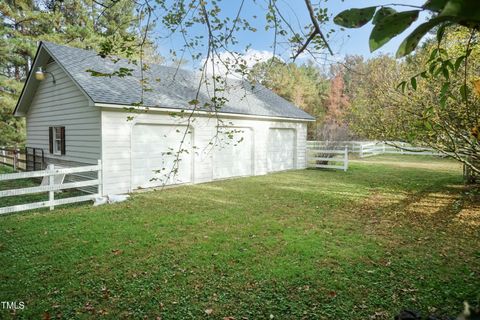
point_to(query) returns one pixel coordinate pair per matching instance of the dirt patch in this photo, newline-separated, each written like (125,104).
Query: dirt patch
(431,204)
(452,209)
(469,217)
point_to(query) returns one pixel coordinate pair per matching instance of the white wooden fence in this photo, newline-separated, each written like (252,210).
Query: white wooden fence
(405,148)
(51,187)
(371,148)
(327,158)
(353,146)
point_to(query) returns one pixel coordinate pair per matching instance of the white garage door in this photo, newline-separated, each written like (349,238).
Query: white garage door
(233,153)
(281,149)
(154,151)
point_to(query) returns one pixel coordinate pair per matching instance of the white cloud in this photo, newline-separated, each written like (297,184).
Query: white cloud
(227,62)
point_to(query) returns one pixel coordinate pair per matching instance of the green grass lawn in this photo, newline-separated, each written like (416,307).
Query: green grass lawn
(391,233)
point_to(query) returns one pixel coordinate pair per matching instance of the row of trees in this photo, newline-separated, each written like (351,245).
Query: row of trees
(318,93)
(427,99)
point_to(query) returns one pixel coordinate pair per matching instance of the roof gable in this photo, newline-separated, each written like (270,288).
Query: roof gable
(42,58)
(171,88)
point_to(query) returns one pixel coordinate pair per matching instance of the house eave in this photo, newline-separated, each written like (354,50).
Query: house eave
(200,112)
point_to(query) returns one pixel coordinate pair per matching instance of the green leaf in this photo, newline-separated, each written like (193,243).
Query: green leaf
(435,5)
(391,26)
(449,65)
(444,94)
(438,71)
(412,40)
(382,13)
(445,88)
(443,101)
(402,85)
(433,55)
(441,32)
(428,125)
(428,111)
(432,67)
(445,72)
(458,62)
(465,10)
(413,82)
(354,18)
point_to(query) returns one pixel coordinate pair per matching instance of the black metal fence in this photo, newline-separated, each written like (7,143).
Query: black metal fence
(28,159)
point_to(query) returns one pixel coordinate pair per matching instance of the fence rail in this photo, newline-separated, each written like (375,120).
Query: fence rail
(371,148)
(51,186)
(327,158)
(14,158)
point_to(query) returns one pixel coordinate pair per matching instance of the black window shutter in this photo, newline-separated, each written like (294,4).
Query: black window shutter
(62,135)
(50,139)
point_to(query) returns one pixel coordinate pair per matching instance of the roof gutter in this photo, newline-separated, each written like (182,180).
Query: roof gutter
(200,112)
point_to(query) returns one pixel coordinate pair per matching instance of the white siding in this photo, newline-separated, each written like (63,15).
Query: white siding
(64,105)
(281,149)
(154,154)
(117,142)
(233,153)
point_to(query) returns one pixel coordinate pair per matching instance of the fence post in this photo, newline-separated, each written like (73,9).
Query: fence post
(361,150)
(34,159)
(15,159)
(403,146)
(383,147)
(51,182)
(345,159)
(99,178)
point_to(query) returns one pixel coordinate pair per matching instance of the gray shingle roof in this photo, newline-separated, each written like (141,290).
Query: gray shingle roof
(173,89)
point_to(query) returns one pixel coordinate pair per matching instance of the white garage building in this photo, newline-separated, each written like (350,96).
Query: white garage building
(77,119)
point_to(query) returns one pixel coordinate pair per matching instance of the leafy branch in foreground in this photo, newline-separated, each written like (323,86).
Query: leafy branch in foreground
(389,23)
(428,110)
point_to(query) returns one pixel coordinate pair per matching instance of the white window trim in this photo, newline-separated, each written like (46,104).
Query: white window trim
(57,147)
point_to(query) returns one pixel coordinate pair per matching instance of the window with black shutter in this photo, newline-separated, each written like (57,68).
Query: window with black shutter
(57,140)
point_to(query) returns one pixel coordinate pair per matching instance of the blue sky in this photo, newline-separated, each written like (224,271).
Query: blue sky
(350,41)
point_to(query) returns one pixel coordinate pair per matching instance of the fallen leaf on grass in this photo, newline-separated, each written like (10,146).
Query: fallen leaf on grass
(379,315)
(105,292)
(209,311)
(116,252)
(88,307)
(332,294)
